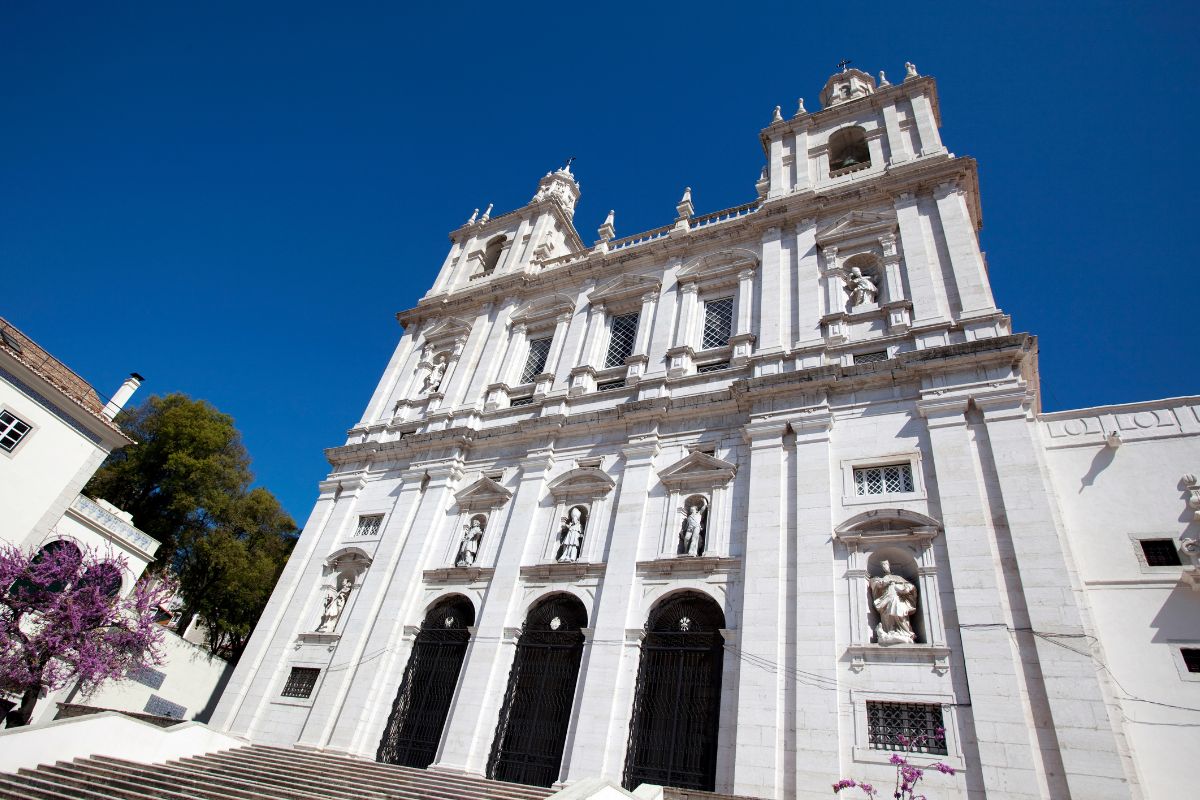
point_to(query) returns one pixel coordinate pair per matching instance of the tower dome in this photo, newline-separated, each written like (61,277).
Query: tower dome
(847,85)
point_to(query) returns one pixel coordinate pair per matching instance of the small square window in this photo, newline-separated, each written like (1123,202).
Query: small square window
(716,366)
(718,323)
(870,358)
(1160,553)
(535,362)
(887,479)
(1191,658)
(920,724)
(12,431)
(520,401)
(621,337)
(301,682)
(610,385)
(369,524)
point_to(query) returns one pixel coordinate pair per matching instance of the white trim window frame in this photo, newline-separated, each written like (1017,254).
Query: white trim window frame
(864,753)
(279,698)
(1177,647)
(16,426)
(911,459)
(1144,567)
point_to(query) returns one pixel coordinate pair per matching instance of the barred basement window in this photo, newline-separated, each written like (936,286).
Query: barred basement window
(716,366)
(1160,553)
(369,524)
(887,722)
(1191,658)
(608,385)
(147,677)
(718,323)
(888,479)
(12,431)
(520,401)
(161,707)
(621,337)
(868,358)
(535,362)
(301,682)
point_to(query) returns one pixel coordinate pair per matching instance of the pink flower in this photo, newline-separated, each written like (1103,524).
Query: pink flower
(845,783)
(945,769)
(895,759)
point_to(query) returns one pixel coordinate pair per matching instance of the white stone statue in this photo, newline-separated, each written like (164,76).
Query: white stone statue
(693,527)
(468,548)
(896,600)
(910,70)
(861,288)
(572,536)
(335,601)
(433,381)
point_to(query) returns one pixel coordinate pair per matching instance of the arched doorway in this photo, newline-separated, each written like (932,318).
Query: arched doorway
(677,703)
(414,728)
(541,693)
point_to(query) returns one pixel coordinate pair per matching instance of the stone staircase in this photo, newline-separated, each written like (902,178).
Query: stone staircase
(254,772)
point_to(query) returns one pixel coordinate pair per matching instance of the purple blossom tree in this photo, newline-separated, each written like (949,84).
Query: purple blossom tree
(907,775)
(62,619)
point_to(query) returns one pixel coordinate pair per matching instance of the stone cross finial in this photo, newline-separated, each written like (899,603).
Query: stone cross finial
(844,63)
(777,116)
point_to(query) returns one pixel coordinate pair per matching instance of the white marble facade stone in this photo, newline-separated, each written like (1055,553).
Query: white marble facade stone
(822,430)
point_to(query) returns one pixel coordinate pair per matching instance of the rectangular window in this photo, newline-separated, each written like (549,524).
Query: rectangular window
(520,401)
(887,722)
(609,385)
(621,335)
(161,707)
(535,362)
(888,479)
(1160,553)
(12,431)
(301,682)
(1191,658)
(868,358)
(368,525)
(716,366)
(718,323)
(148,677)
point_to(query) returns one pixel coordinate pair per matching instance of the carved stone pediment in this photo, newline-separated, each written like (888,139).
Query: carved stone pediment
(482,495)
(446,331)
(722,265)
(887,525)
(583,483)
(543,309)
(697,471)
(857,225)
(625,287)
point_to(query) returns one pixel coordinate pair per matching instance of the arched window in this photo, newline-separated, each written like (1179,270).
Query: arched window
(414,729)
(105,577)
(541,693)
(677,703)
(491,254)
(68,549)
(848,151)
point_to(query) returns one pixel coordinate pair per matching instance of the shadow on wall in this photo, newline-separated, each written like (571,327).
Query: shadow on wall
(1100,462)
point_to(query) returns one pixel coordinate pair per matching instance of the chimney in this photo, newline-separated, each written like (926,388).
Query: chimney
(123,394)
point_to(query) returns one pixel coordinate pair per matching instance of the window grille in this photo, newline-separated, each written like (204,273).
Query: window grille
(1160,553)
(889,479)
(12,431)
(887,722)
(301,682)
(161,707)
(369,524)
(716,366)
(520,401)
(535,362)
(608,385)
(870,358)
(148,677)
(622,333)
(1191,658)
(718,323)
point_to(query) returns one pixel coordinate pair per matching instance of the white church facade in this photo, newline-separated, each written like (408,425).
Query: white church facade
(733,504)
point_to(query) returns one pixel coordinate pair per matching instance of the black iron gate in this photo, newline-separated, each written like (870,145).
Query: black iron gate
(414,728)
(541,693)
(677,702)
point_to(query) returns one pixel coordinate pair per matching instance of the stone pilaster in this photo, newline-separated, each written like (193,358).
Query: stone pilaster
(974,290)
(929,302)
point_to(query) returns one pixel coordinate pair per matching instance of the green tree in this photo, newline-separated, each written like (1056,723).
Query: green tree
(187,483)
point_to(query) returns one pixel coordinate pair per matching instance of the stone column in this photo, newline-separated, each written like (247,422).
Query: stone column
(1008,764)
(1091,759)
(609,671)
(896,142)
(800,153)
(899,315)
(574,339)
(489,366)
(515,357)
(645,320)
(931,141)
(759,753)
(815,708)
(929,301)
(474,712)
(595,332)
(689,307)
(771,294)
(337,717)
(663,324)
(512,252)
(775,149)
(807,297)
(974,290)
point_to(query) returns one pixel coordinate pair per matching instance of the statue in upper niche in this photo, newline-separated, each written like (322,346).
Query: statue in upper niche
(861,288)
(334,603)
(572,535)
(895,598)
(693,527)
(468,548)
(433,381)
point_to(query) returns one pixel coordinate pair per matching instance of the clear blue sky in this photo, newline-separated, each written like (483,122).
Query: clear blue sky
(234,198)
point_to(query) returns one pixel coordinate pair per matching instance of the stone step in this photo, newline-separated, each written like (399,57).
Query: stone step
(498,789)
(202,784)
(221,780)
(117,788)
(325,783)
(29,787)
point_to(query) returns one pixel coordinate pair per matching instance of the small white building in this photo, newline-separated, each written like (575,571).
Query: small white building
(734,503)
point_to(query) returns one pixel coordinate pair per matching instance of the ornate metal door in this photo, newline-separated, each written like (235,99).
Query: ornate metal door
(677,702)
(414,728)
(541,693)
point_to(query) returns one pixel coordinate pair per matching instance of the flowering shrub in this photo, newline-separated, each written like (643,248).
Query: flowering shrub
(907,775)
(62,619)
